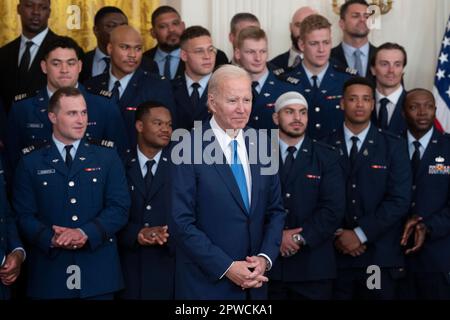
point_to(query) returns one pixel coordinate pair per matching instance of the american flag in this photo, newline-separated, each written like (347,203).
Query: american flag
(441,89)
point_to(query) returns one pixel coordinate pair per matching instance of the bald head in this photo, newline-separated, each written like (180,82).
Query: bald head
(125,49)
(297,19)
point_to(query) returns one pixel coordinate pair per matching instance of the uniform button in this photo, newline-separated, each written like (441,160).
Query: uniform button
(256,118)
(87,134)
(286,210)
(318,125)
(74,218)
(71,183)
(94,180)
(317,109)
(353,201)
(2,239)
(146,225)
(149,207)
(414,187)
(288,195)
(401,269)
(355,218)
(1,220)
(413,204)
(338,106)
(111,240)
(73,201)
(44,183)
(354,186)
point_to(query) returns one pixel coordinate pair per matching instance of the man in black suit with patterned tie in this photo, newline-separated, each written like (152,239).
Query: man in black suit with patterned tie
(20,70)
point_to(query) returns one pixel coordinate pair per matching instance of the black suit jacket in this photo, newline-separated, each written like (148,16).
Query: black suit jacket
(9,69)
(337,53)
(86,70)
(149,64)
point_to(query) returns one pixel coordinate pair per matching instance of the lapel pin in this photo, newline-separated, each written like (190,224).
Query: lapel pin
(82,158)
(366,152)
(55,160)
(266,95)
(371,141)
(271,82)
(434,141)
(164,159)
(440,160)
(338,142)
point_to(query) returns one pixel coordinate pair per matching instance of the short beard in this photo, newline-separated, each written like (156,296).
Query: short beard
(168,47)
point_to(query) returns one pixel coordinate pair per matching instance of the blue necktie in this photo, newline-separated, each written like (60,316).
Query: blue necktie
(167,67)
(358,63)
(238,172)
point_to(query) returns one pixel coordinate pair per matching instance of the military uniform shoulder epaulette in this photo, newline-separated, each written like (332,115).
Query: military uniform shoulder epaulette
(34,147)
(343,69)
(101,143)
(323,144)
(25,95)
(390,134)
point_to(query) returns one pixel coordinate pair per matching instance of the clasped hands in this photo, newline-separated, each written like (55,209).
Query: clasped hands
(288,246)
(249,273)
(68,238)
(415,225)
(347,242)
(150,236)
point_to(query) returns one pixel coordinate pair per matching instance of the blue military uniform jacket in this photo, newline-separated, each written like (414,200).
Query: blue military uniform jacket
(314,199)
(324,111)
(9,237)
(91,195)
(148,270)
(185,112)
(397,125)
(431,196)
(263,105)
(212,228)
(378,194)
(143,86)
(28,122)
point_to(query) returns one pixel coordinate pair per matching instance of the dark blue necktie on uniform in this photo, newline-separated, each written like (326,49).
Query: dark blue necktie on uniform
(195,96)
(288,163)
(254,91)
(115,91)
(383,114)
(239,175)
(354,150)
(69,159)
(415,160)
(107,61)
(149,175)
(167,67)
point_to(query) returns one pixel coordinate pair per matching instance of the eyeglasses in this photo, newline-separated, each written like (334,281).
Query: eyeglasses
(202,52)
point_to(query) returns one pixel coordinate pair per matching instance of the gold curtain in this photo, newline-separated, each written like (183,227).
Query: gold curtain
(64,19)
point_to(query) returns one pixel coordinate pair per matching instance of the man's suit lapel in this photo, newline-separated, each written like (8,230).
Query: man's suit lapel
(301,160)
(160,175)
(368,148)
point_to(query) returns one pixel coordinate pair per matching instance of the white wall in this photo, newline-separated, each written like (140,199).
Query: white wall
(418,25)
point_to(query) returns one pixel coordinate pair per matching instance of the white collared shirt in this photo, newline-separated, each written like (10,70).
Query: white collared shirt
(393,99)
(98,64)
(62,151)
(123,82)
(143,161)
(424,141)
(224,141)
(203,82)
(320,76)
(293,54)
(349,53)
(37,42)
(261,81)
(50,92)
(284,146)
(361,137)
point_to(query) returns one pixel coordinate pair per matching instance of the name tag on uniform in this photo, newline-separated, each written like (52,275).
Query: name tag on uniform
(377,166)
(34,125)
(131,108)
(43,172)
(92,169)
(439,169)
(311,176)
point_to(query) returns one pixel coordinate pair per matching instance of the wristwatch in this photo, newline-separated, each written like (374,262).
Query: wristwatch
(297,238)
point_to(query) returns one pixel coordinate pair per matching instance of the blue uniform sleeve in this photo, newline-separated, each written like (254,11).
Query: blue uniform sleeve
(115,127)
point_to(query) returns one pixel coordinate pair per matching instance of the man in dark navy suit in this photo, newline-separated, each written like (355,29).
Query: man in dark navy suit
(355,50)
(97,61)
(313,191)
(129,84)
(167,27)
(251,50)
(388,65)
(28,121)
(190,90)
(293,57)
(226,214)
(147,261)
(377,172)
(429,215)
(20,69)
(12,253)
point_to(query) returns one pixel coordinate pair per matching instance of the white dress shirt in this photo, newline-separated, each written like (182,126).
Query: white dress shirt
(143,162)
(424,141)
(393,99)
(37,42)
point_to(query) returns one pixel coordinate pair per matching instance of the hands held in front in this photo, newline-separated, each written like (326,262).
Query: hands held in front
(288,246)
(347,242)
(150,236)
(68,238)
(415,225)
(249,273)
(11,268)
